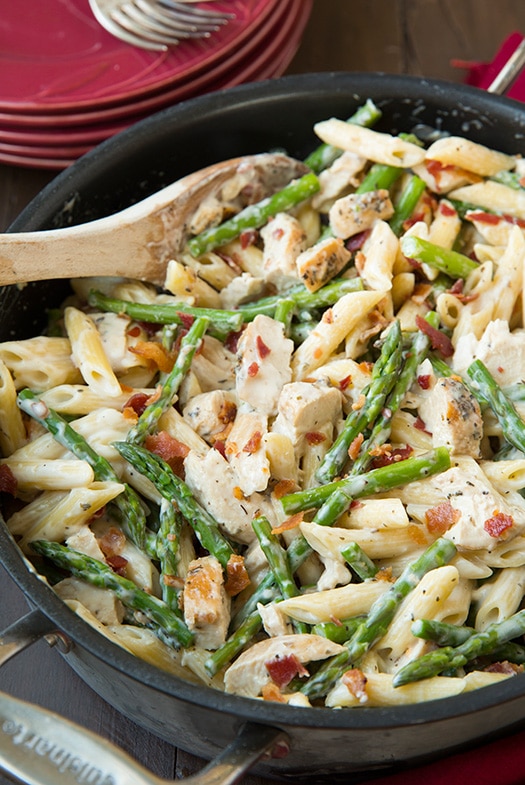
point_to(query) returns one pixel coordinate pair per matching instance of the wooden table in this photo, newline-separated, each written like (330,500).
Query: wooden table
(418,37)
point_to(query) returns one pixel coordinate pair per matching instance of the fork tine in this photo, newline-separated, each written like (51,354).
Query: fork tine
(167,22)
(124,34)
(184,10)
(125,17)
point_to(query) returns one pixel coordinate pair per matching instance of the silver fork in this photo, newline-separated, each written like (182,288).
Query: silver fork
(156,24)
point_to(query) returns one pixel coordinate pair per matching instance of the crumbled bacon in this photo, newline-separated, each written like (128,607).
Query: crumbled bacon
(283,487)
(355,682)
(169,449)
(424,381)
(134,331)
(447,210)
(283,669)
(355,446)
(290,523)
(439,340)
(248,237)
(253,369)
(440,518)
(498,523)
(271,692)
(232,341)
(220,446)
(262,348)
(186,319)
(421,292)
(388,456)
(420,425)
(112,542)
(416,534)
(237,577)
(509,668)
(314,437)
(118,564)
(137,403)
(8,482)
(253,443)
(357,241)
(345,383)
(155,353)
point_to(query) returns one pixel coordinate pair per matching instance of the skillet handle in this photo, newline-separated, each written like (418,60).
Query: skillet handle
(38,747)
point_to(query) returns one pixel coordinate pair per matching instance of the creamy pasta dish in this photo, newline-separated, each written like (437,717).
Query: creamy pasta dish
(295,472)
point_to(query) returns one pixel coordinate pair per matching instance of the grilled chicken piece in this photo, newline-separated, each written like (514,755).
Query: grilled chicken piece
(206,602)
(251,671)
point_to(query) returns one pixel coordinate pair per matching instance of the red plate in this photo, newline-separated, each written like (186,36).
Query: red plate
(272,60)
(65,60)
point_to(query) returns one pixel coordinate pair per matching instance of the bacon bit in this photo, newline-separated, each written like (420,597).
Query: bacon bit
(174,581)
(415,218)
(421,292)
(248,237)
(118,564)
(284,487)
(271,692)
(237,492)
(359,403)
(328,316)
(509,668)
(253,443)
(359,262)
(155,353)
(424,381)
(357,241)
(500,369)
(237,577)
(112,542)
(498,523)
(232,341)
(186,319)
(253,369)
(355,504)
(355,682)
(416,534)
(8,481)
(314,437)
(231,261)
(355,446)
(439,340)
(457,291)
(137,403)
(283,669)
(385,574)
(440,518)
(262,349)
(386,456)
(290,523)
(227,412)
(457,287)
(134,331)
(169,449)
(420,425)
(447,210)
(345,383)
(220,446)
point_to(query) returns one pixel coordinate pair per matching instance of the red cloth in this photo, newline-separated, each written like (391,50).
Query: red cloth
(500,762)
(483,74)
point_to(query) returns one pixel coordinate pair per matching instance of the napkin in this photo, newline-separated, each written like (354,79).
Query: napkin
(482,75)
(499,762)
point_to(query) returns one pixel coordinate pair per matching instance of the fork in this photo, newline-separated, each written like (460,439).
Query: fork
(156,24)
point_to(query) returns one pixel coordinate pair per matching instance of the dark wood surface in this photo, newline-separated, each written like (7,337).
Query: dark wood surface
(419,37)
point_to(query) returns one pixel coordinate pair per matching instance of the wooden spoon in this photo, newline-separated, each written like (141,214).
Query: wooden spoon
(139,241)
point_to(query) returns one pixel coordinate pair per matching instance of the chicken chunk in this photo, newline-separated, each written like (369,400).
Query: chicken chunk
(357,212)
(213,366)
(264,355)
(453,416)
(245,450)
(304,408)
(338,179)
(502,351)
(284,238)
(206,602)
(102,603)
(242,289)
(251,671)
(320,263)
(216,487)
(480,516)
(210,413)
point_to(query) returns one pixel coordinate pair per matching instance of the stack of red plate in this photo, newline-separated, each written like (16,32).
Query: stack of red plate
(67,84)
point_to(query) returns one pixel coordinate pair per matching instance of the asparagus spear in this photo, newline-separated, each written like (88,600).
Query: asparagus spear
(487,390)
(338,632)
(302,298)
(132,515)
(325,154)
(455,264)
(166,547)
(221,322)
(235,643)
(454,657)
(99,574)
(358,560)
(451,635)
(376,481)
(148,420)
(255,215)
(174,489)
(407,203)
(386,370)
(380,617)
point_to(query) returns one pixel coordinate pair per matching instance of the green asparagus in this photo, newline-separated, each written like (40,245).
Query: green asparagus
(407,203)
(487,390)
(454,264)
(99,574)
